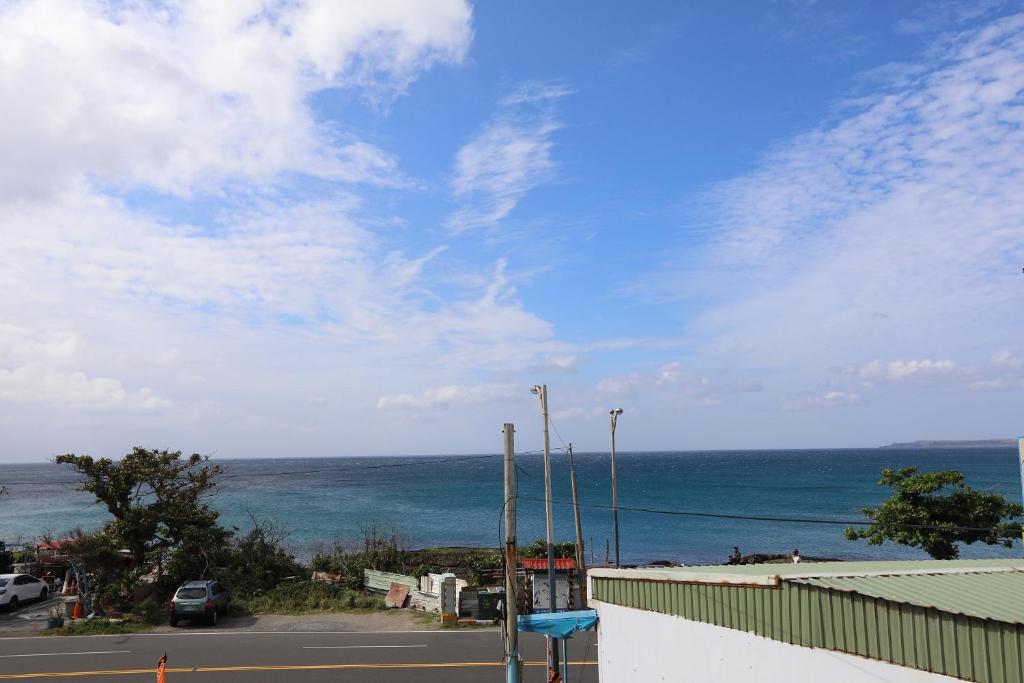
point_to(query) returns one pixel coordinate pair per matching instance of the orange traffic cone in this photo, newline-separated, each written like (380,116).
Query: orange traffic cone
(161,666)
(77,612)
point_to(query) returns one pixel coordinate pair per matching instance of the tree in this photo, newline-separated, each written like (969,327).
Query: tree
(936,511)
(157,499)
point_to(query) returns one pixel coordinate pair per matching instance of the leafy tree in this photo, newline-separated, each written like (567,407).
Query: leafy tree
(157,499)
(936,511)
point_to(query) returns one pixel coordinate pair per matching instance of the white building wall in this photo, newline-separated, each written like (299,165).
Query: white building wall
(639,646)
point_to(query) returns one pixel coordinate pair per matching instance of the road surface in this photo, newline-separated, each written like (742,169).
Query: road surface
(213,655)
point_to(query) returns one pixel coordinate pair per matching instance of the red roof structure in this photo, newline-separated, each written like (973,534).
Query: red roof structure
(541,563)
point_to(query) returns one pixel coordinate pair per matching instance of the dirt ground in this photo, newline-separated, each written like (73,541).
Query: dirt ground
(32,619)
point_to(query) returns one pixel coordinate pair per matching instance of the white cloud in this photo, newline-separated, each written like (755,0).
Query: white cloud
(182,96)
(899,370)
(1005,359)
(150,215)
(828,398)
(676,379)
(453,394)
(507,158)
(39,368)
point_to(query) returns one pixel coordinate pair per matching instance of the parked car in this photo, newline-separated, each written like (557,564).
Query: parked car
(20,588)
(199,600)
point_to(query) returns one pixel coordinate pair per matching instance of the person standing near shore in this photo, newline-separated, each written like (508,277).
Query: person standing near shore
(795,556)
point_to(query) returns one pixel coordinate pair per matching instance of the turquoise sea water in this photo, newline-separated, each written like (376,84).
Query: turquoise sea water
(459,502)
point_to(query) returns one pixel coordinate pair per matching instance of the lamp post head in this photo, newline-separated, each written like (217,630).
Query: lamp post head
(616,412)
(535,389)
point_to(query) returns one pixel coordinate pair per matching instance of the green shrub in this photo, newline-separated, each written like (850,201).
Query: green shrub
(95,627)
(306,596)
(539,548)
(151,611)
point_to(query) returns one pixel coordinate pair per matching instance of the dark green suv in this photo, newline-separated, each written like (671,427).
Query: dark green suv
(199,600)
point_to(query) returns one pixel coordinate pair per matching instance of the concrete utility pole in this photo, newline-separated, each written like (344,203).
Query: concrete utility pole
(1020,458)
(512,663)
(615,496)
(542,392)
(581,567)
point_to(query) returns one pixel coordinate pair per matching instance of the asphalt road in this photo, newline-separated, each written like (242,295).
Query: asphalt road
(219,656)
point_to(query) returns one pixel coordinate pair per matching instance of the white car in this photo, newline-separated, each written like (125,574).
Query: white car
(17,589)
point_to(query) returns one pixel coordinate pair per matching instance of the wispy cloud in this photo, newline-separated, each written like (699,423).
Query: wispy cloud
(894,233)
(453,394)
(826,398)
(508,157)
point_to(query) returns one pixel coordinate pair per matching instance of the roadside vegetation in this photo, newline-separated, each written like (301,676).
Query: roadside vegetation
(164,531)
(306,596)
(97,627)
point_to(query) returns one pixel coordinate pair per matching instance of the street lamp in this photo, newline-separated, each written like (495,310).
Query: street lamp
(615,497)
(541,391)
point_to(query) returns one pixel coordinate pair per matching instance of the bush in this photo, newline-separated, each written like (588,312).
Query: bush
(151,611)
(257,560)
(381,548)
(307,596)
(96,627)
(539,548)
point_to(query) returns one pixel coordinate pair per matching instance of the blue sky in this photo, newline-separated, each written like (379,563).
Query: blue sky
(315,228)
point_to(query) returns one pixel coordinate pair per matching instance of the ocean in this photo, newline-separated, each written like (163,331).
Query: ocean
(455,500)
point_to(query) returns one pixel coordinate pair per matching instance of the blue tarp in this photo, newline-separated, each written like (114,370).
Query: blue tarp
(559,624)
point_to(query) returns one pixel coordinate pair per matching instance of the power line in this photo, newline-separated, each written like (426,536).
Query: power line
(422,460)
(787,520)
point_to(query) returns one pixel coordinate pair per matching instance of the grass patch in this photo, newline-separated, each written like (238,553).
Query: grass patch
(434,619)
(96,627)
(306,596)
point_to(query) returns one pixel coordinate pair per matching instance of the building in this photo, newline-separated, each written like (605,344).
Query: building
(901,622)
(567,592)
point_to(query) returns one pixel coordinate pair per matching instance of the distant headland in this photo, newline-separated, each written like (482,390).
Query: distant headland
(978,443)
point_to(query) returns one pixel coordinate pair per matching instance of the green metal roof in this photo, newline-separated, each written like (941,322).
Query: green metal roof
(986,595)
(963,618)
(806,569)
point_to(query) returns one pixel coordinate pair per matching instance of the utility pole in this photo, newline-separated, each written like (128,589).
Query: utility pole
(1020,458)
(512,663)
(542,392)
(581,568)
(615,496)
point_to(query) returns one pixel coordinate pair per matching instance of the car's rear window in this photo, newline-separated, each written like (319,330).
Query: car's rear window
(191,593)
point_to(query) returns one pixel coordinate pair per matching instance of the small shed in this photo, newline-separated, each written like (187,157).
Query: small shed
(567,590)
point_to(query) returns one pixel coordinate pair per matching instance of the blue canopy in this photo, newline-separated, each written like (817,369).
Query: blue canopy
(559,624)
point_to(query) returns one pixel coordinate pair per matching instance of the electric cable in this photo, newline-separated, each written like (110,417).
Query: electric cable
(787,520)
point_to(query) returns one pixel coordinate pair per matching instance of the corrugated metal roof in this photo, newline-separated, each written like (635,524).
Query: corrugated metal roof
(986,595)
(541,563)
(806,569)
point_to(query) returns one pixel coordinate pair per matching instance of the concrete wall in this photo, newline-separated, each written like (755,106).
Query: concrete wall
(636,645)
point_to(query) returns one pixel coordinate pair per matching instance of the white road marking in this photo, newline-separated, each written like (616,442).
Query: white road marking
(351,647)
(60,654)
